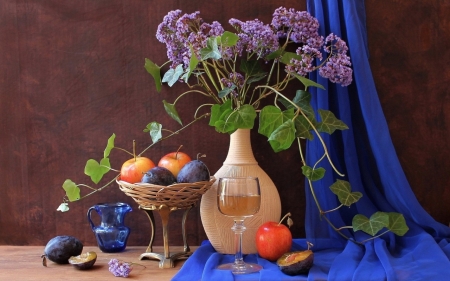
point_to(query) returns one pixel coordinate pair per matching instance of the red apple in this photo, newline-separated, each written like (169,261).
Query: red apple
(174,161)
(133,169)
(273,239)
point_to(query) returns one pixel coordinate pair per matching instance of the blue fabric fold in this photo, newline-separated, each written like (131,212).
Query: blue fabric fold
(366,155)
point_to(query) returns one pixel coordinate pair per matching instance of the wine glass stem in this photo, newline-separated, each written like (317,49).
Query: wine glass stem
(238,229)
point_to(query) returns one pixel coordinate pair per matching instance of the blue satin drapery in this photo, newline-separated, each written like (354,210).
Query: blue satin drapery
(366,155)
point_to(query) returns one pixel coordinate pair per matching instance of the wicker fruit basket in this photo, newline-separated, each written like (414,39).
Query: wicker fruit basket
(177,196)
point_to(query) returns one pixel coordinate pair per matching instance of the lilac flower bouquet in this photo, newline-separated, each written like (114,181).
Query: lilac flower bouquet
(239,69)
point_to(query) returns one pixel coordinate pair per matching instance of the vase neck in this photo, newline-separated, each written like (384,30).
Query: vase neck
(240,151)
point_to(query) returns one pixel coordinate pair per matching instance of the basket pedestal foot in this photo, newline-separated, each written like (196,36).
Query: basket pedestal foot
(166,259)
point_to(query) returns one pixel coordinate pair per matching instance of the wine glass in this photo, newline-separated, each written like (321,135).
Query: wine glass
(239,198)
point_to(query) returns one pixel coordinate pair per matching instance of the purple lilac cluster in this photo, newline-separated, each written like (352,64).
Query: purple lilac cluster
(255,37)
(337,68)
(301,27)
(119,268)
(181,32)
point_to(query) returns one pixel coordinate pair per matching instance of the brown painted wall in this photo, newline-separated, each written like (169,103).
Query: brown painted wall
(72,74)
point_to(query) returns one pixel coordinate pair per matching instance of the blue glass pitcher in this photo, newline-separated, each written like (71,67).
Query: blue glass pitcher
(111,234)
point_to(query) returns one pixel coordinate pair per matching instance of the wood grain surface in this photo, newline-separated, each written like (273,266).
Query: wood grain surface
(24,263)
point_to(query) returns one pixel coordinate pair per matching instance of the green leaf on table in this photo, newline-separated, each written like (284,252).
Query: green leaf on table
(172,75)
(155,72)
(64,207)
(109,146)
(97,170)
(313,174)
(271,117)
(397,223)
(343,191)
(154,128)
(329,122)
(307,82)
(283,136)
(228,39)
(72,190)
(172,111)
(211,51)
(371,226)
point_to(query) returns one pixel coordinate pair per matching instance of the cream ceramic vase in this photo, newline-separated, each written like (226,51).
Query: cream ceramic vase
(239,162)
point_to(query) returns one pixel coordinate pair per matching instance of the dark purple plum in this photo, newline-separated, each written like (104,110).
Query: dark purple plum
(193,171)
(159,176)
(60,248)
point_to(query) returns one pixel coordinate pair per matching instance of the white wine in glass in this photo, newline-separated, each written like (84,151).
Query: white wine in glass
(239,198)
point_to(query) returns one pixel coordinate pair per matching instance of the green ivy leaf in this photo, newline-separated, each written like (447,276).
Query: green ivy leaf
(64,207)
(307,82)
(274,55)
(302,128)
(171,110)
(370,226)
(97,170)
(343,191)
(211,51)
(155,72)
(283,136)
(271,117)
(329,122)
(226,91)
(227,120)
(224,127)
(251,68)
(313,174)
(288,56)
(229,39)
(242,118)
(154,128)
(172,75)
(397,223)
(109,146)
(217,111)
(72,190)
(257,77)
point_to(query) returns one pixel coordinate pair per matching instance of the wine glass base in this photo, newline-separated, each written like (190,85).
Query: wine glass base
(244,268)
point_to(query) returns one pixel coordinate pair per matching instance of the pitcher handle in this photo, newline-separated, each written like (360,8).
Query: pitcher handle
(89,217)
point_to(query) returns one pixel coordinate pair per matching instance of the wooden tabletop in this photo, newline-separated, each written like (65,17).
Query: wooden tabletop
(24,263)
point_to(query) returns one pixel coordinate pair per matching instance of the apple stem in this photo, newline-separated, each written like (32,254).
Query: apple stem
(287,215)
(134,150)
(176,154)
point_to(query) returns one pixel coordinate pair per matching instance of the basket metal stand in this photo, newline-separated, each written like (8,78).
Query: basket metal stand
(164,200)
(166,259)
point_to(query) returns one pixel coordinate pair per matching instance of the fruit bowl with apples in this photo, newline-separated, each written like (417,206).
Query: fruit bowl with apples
(176,182)
(177,195)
